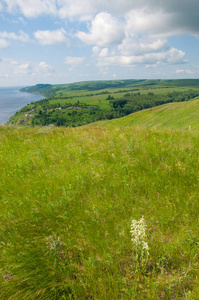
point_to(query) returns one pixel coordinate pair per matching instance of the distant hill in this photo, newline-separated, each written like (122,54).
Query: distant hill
(81,103)
(48,89)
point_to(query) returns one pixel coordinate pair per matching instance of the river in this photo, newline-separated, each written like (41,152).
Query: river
(12,100)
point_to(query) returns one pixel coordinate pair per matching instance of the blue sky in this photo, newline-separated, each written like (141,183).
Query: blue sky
(63,41)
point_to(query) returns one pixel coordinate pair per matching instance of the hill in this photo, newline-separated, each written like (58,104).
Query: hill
(104,211)
(68,197)
(180,115)
(47,89)
(78,104)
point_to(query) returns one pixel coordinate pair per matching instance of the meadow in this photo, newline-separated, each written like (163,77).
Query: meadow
(176,116)
(108,210)
(68,197)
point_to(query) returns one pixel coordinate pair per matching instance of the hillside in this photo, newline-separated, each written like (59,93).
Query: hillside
(104,211)
(180,115)
(68,197)
(82,103)
(47,89)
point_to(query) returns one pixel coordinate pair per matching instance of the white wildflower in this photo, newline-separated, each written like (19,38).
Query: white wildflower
(145,247)
(54,243)
(138,233)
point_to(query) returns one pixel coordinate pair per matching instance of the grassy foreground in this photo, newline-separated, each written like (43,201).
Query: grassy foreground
(67,199)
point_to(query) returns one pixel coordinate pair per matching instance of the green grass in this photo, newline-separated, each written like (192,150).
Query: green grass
(84,186)
(179,115)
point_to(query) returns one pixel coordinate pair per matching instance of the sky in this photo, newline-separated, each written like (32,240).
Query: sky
(64,41)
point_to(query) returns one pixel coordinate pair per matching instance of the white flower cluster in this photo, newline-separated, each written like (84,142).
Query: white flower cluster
(54,243)
(138,232)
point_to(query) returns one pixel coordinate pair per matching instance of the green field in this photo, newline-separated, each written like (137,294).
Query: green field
(83,103)
(69,195)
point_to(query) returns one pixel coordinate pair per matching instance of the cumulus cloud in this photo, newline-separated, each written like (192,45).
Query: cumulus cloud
(54,37)
(183,11)
(22,36)
(23,69)
(44,67)
(144,16)
(121,32)
(83,10)
(104,30)
(22,72)
(171,56)
(144,22)
(74,61)
(31,8)
(5,36)
(135,45)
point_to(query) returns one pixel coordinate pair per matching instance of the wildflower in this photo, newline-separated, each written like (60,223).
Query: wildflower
(138,233)
(54,243)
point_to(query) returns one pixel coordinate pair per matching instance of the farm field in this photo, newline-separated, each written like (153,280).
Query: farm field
(83,103)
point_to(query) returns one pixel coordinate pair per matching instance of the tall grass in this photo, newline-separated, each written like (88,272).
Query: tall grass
(67,199)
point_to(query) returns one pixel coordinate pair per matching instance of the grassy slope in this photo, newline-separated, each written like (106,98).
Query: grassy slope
(68,196)
(84,186)
(178,115)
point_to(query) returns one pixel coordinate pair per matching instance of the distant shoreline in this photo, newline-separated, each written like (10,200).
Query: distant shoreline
(12,99)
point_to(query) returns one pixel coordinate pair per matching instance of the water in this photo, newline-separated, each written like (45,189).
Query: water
(12,100)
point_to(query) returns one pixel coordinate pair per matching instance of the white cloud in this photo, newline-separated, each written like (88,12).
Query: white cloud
(32,8)
(74,61)
(134,45)
(121,32)
(62,8)
(96,50)
(54,37)
(153,23)
(22,36)
(22,72)
(3,44)
(144,16)
(21,20)
(181,14)
(105,30)
(23,69)
(170,56)
(185,71)
(175,56)
(26,68)
(84,10)
(104,52)
(44,68)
